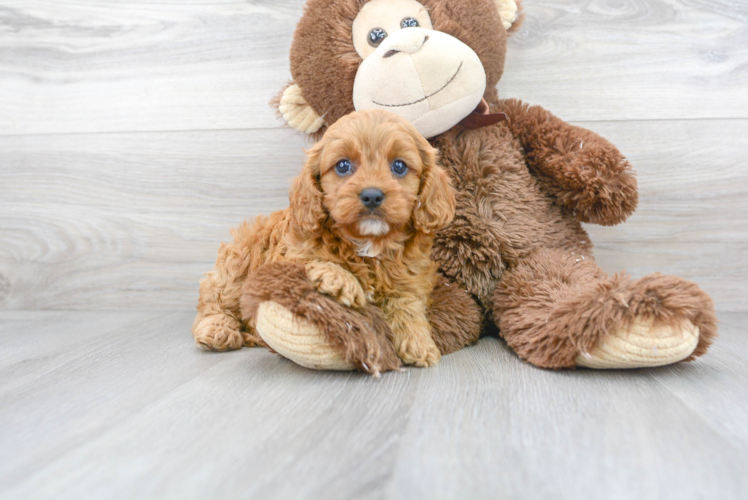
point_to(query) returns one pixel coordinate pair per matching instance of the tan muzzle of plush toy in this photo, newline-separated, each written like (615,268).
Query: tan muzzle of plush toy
(428,77)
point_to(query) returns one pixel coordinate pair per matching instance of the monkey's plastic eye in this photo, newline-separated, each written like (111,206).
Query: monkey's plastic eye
(409,22)
(343,167)
(399,168)
(376,36)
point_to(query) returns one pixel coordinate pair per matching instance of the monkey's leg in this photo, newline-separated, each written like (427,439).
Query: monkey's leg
(455,317)
(559,310)
(313,329)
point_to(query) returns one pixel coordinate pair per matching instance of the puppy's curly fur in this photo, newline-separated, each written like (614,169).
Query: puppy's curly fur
(355,253)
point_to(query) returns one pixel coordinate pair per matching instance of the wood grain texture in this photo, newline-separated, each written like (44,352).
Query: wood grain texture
(99,65)
(122,405)
(117,221)
(692,219)
(103,66)
(130,220)
(93,216)
(134,134)
(631,59)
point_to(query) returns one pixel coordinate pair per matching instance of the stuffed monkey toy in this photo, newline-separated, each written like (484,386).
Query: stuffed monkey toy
(516,259)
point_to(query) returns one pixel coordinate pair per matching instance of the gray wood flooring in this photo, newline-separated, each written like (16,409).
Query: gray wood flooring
(109,405)
(134,134)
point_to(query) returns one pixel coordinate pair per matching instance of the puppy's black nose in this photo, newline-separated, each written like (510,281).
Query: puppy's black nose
(372,198)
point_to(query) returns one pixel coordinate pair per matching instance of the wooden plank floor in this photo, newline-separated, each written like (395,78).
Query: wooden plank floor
(121,405)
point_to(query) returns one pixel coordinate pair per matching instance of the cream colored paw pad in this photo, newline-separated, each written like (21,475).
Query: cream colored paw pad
(642,345)
(296,339)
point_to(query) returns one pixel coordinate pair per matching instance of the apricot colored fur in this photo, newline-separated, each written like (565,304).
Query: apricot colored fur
(322,230)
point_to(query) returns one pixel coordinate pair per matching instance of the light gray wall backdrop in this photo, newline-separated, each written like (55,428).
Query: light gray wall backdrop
(134,134)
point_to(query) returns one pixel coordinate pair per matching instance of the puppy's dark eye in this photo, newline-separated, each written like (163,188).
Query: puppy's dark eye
(399,168)
(343,167)
(376,36)
(409,22)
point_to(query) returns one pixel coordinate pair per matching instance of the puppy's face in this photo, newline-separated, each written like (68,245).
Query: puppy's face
(376,175)
(370,174)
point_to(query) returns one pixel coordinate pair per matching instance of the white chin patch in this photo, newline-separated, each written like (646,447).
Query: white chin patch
(373,227)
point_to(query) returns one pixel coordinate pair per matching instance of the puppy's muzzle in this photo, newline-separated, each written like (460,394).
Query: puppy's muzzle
(372,198)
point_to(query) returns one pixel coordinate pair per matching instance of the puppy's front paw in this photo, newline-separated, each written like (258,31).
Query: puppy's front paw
(333,280)
(419,352)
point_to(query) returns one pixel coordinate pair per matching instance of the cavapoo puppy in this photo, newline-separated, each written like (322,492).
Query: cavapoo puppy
(361,219)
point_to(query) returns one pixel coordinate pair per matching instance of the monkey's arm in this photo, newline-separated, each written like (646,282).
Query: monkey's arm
(585,173)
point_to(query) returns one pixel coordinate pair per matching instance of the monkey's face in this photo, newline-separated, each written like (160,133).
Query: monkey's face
(429,61)
(428,77)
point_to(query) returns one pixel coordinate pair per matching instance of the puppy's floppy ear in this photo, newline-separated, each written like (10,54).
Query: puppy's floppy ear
(305,194)
(436,199)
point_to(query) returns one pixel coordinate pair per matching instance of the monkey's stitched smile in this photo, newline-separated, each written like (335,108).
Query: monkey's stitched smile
(424,98)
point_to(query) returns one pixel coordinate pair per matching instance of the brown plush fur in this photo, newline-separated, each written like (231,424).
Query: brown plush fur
(523,188)
(455,317)
(323,40)
(585,174)
(554,305)
(363,336)
(322,229)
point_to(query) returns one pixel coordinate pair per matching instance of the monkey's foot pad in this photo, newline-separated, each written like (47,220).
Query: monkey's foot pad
(642,345)
(297,339)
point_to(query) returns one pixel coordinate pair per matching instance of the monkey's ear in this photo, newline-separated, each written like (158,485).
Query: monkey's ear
(294,109)
(511,13)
